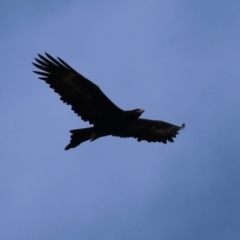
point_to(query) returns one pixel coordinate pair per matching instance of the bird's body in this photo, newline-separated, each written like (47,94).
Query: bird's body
(92,105)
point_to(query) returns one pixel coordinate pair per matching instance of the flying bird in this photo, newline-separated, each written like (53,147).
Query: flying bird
(91,104)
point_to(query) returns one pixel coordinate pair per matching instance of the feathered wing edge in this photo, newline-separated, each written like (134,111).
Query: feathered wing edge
(86,98)
(150,131)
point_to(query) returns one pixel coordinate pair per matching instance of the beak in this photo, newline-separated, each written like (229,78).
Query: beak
(141,110)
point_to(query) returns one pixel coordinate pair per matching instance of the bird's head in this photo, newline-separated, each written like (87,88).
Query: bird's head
(139,111)
(134,114)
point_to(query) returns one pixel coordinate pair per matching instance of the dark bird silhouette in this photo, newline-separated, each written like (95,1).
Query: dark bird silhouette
(92,105)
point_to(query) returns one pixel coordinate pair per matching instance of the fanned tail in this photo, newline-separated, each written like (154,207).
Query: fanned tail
(80,135)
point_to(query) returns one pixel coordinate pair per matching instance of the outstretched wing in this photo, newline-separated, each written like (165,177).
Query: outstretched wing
(86,98)
(150,130)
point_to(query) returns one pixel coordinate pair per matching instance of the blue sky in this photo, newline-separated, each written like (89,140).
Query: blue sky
(178,60)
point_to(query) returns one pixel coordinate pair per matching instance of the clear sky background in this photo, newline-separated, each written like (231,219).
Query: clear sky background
(178,60)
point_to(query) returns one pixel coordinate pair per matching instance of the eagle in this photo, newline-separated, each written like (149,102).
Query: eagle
(91,104)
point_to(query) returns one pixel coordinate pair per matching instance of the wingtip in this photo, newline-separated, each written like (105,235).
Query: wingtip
(48,55)
(67,147)
(183,126)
